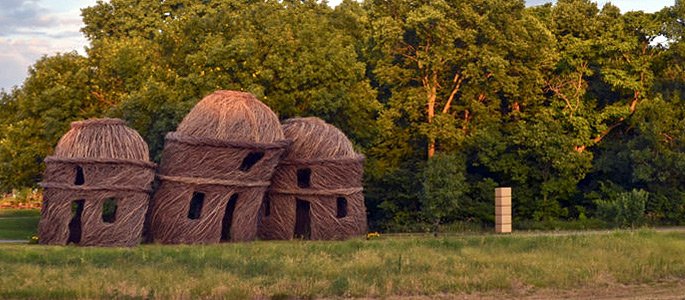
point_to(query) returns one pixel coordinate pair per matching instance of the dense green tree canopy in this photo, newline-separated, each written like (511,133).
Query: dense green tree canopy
(571,104)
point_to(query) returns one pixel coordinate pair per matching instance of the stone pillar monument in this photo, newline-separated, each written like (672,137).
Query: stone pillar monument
(503,210)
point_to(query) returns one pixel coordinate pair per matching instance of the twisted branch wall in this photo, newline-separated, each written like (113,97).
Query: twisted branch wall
(210,166)
(128,181)
(329,179)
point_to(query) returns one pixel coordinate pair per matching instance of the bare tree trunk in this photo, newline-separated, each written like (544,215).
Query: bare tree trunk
(436,227)
(432,95)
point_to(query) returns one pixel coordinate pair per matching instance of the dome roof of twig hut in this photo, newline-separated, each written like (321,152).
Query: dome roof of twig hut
(232,116)
(312,139)
(102,138)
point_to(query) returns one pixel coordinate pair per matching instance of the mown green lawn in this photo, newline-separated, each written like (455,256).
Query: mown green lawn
(18,224)
(389,266)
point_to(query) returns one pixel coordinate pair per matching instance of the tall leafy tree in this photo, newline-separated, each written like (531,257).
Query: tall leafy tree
(567,103)
(457,72)
(289,54)
(646,151)
(54,94)
(444,183)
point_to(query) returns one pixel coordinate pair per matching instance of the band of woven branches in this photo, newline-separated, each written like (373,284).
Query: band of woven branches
(97,160)
(204,141)
(325,179)
(98,122)
(206,161)
(211,181)
(323,161)
(332,192)
(99,174)
(71,187)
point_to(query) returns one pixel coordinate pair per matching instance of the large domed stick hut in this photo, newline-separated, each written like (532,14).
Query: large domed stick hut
(316,192)
(215,169)
(97,186)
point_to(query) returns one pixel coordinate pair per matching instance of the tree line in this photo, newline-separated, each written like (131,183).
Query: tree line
(579,108)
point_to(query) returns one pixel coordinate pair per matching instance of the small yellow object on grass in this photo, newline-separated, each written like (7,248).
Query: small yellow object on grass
(372,235)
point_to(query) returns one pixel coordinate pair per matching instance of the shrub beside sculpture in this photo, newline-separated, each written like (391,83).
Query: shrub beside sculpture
(226,155)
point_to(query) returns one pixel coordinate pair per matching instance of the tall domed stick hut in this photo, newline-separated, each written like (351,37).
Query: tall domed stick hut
(97,186)
(316,192)
(215,169)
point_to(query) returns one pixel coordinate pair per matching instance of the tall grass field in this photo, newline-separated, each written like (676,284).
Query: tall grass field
(385,267)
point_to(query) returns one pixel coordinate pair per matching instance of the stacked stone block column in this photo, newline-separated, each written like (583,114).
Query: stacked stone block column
(503,210)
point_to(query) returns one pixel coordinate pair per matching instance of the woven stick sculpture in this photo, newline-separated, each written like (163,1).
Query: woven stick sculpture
(316,192)
(215,169)
(97,186)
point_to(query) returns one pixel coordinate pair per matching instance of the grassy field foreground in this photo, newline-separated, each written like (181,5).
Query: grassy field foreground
(512,265)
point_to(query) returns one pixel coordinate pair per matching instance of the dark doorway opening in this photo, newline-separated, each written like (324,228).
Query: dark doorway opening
(267,206)
(195,209)
(304,178)
(227,222)
(303,222)
(341,211)
(250,160)
(80,179)
(75,223)
(109,210)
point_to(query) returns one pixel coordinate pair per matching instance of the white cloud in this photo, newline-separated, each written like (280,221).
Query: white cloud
(16,56)
(537,2)
(16,15)
(30,29)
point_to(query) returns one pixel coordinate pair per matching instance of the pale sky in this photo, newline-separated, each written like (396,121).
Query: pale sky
(30,29)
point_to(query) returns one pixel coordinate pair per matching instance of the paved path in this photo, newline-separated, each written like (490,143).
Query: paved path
(14,242)
(537,232)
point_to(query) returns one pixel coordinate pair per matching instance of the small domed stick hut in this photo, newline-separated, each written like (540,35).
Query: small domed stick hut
(316,192)
(97,186)
(215,170)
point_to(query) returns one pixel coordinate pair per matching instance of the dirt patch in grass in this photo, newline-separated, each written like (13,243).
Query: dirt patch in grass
(658,290)
(672,289)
